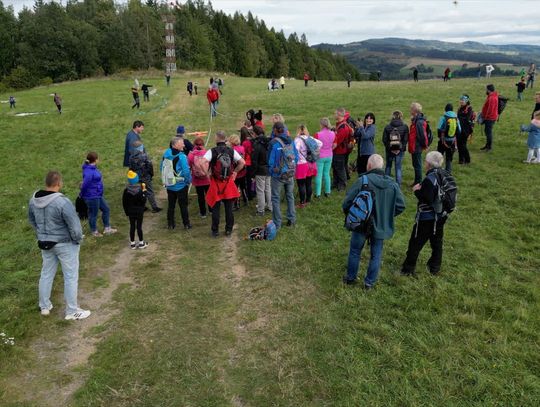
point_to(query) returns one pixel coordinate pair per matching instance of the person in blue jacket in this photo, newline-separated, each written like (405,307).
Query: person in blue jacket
(179,191)
(282,170)
(448,130)
(365,136)
(133,136)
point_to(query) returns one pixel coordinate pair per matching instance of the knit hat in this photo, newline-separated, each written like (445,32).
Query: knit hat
(490,87)
(465,98)
(180,130)
(448,107)
(132,176)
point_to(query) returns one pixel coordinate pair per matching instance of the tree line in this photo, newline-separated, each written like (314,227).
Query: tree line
(52,42)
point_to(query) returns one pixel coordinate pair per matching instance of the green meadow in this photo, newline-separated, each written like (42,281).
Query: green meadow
(196,321)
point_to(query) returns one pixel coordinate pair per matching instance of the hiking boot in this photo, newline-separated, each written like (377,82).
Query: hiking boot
(142,245)
(46,311)
(96,234)
(109,231)
(133,245)
(156,210)
(290,223)
(79,314)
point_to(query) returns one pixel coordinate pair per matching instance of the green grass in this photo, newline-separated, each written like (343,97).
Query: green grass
(193,330)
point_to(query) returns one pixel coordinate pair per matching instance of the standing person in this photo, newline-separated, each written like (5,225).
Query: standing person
(418,140)
(199,171)
(196,87)
(448,130)
(379,74)
(282,82)
(306,79)
(220,85)
(92,192)
(246,139)
(168,79)
(58,102)
(259,170)
(415,74)
(344,135)
(479,71)
(179,190)
(134,202)
(490,114)
(446,74)
(240,180)
(190,88)
(533,141)
(395,139)
(188,145)
(224,163)
(430,221)
(537,104)
(141,164)
(136,100)
(324,163)
(282,162)
(146,92)
(12,102)
(530,75)
(133,135)
(466,118)
(306,168)
(349,79)
(389,202)
(365,136)
(520,88)
(59,235)
(489,69)
(213,100)
(278,118)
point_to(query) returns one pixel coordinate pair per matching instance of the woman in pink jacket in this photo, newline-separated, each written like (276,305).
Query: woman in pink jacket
(305,170)
(200,175)
(324,163)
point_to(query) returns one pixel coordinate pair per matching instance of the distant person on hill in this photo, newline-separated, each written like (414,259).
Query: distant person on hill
(533,141)
(190,88)
(344,138)
(282,82)
(349,79)
(522,73)
(133,135)
(306,79)
(479,71)
(136,100)
(446,76)
(448,130)
(92,192)
(259,170)
(12,102)
(418,140)
(213,100)
(220,84)
(59,235)
(134,203)
(196,87)
(489,69)
(365,139)
(141,164)
(306,167)
(146,92)
(379,74)
(168,79)
(490,115)
(415,75)
(520,88)
(395,138)
(200,173)
(466,118)
(324,163)
(58,102)
(537,104)
(388,203)
(530,75)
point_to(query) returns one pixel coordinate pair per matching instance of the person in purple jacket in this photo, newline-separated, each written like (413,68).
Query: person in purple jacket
(92,193)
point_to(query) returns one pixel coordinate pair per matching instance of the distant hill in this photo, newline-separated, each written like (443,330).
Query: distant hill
(395,57)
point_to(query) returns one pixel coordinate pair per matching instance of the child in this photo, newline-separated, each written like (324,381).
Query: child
(520,88)
(134,201)
(448,130)
(533,141)
(11,102)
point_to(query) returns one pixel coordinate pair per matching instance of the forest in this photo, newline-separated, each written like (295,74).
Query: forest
(51,42)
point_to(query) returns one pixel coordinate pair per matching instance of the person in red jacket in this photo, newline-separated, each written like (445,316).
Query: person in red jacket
(490,114)
(213,99)
(306,78)
(344,136)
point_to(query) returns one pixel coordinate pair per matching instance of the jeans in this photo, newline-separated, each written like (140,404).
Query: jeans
(264,193)
(357,244)
(340,174)
(397,158)
(448,153)
(201,198)
(277,185)
(323,173)
(417,165)
(520,96)
(182,198)
(423,231)
(213,109)
(229,216)
(304,189)
(67,254)
(488,127)
(94,206)
(463,150)
(135,222)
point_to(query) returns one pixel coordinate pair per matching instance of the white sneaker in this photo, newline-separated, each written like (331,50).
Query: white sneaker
(79,314)
(143,245)
(109,231)
(133,245)
(46,311)
(526,162)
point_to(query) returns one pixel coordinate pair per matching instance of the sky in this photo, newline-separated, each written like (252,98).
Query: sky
(345,21)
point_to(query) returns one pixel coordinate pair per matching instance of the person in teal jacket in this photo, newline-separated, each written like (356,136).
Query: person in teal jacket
(179,191)
(448,129)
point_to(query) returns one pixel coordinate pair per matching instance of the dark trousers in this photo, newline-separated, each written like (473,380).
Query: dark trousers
(423,231)
(305,189)
(488,128)
(201,198)
(150,192)
(135,222)
(361,164)
(229,216)
(448,153)
(417,165)
(137,102)
(463,151)
(241,184)
(339,171)
(59,107)
(347,166)
(146,96)
(305,82)
(182,198)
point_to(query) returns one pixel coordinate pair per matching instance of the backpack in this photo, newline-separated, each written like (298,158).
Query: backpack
(267,232)
(169,176)
(81,208)
(501,104)
(447,191)
(222,167)
(348,142)
(313,150)
(429,134)
(200,167)
(394,139)
(450,127)
(287,161)
(361,213)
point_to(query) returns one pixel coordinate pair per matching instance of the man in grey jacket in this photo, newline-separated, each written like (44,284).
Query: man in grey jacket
(59,234)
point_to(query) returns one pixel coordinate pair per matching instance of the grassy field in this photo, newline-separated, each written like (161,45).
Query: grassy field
(195,321)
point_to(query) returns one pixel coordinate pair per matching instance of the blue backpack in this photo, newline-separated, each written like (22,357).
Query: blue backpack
(287,161)
(361,213)
(313,150)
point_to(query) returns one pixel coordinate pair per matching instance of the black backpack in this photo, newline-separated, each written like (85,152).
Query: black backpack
(222,166)
(501,104)
(394,139)
(446,203)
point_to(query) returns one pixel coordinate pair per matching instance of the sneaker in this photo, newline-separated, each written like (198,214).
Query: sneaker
(326,194)
(484,148)
(406,273)
(96,234)
(171,226)
(202,216)
(349,282)
(259,213)
(215,234)
(109,231)
(290,223)
(301,206)
(79,314)
(46,311)
(367,287)
(142,245)
(133,245)
(188,226)
(156,210)
(228,232)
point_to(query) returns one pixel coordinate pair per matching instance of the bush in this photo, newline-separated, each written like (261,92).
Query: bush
(47,81)
(20,78)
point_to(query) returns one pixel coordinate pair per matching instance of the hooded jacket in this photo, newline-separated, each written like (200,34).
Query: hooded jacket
(490,110)
(389,201)
(131,138)
(259,156)
(403,133)
(133,200)
(92,185)
(441,127)
(181,167)
(466,119)
(275,153)
(142,165)
(418,140)
(53,217)
(533,141)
